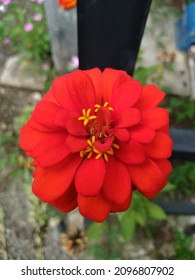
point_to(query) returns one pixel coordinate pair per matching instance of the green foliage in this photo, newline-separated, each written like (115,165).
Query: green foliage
(104,240)
(123,224)
(182,112)
(141,211)
(183,176)
(182,245)
(34,44)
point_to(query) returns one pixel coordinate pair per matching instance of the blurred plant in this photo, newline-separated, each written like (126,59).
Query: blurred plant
(124,225)
(10,155)
(24,29)
(182,112)
(182,244)
(183,176)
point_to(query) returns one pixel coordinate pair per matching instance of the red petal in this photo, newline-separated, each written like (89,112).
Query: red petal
(128,118)
(51,150)
(121,207)
(76,127)
(155,118)
(94,208)
(121,134)
(142,134)
(76,144)
(45,112)
(152,194)
(90,176)
(151,96)
(117,184)
(103,147)
(112,78)
(81,90)
(164,165)
(52,182)
(50,97)
(131,152)
(125,96)
(147,177)
(30,137)
(61,93)
(96,77)
(67,202)
(161,147)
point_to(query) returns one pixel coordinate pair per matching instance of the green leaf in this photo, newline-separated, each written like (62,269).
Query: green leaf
(141,217)
(128,225)
(155,212)
(96,230)
(168,187)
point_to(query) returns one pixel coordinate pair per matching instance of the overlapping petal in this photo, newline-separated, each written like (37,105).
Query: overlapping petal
(90,176)
(51,183)
(94,208)
(117,184)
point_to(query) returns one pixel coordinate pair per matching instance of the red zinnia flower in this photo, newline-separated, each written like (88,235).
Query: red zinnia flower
(67,4)
(94,137)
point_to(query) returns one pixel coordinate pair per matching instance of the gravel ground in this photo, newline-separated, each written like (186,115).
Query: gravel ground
(21,237)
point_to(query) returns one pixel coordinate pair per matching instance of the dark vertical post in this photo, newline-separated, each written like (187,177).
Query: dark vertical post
(110,32)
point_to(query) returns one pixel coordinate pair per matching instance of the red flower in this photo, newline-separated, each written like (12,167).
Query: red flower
(67,4)
(94,137)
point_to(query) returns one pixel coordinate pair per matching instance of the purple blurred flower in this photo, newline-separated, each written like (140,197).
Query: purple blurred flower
(28,27)
(6,41)
(6,2)
(37,17)
(40,1)
(74,62)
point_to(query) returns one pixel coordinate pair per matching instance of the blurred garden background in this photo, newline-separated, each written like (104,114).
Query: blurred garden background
(30,229)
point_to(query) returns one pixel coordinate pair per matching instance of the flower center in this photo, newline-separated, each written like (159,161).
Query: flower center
(99,132)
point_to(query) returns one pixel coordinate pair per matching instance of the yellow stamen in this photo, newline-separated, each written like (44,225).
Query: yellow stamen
(86,116)
(110,152)
(105,157)
(116,146)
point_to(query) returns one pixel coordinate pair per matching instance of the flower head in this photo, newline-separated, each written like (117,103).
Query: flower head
(6,41)
(67,4)
(6,2)
(40,1)
(74,62)
(96,136)
(37,17)
(28,27)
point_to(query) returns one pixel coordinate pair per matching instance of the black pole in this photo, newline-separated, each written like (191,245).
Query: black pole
(110,32)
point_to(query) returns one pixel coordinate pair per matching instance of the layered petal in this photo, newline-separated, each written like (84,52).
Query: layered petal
(52,182)
(125,96)
(96,77)
(51,150)
(142,134)
(121,207)
(117,184)
(150,97)
(30,137)
(81,90)
(161,147)
(75,144)
(128,118)
(147,177)
(131,152)
(67,202)
(90,176)
(155,118)
(94,208)
(111,79)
